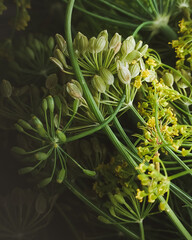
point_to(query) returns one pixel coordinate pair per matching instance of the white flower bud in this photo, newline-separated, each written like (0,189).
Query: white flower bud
(100,44)
(134,70)
(98,84)
(115,43)
(107,76)
(168,79)
(128,45)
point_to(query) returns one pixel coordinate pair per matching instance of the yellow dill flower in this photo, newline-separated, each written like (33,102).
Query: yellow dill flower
(145,73)
(137,83)
(151,62)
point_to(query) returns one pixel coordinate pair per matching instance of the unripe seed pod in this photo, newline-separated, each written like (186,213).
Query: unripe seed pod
(123,73)
(107,76)
(74,90)
(120,199)
(128,45)
(37,121)
(18,150)
(45,182)
(50,103)
(57,102)
(115,43)
(57,62)
(61,42)
(37,44)
(24,124)
(92,44)
(89,172)
(139,45)
(41,156)
(100,44)
(61,175)
(104,34)
(51,43)
(81,43)
(44,105)
(19,128)
(133,56)
(61,57)
(134,70)
(103,220)
(41,131)
(25,170)
(98,84)
(61,136)
(168,79)
(144,49)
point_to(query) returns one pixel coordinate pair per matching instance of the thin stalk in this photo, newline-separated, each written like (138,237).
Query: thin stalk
(142,229)
(141,26)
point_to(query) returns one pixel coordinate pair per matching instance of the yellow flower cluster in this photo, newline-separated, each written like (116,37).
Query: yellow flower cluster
(23,16)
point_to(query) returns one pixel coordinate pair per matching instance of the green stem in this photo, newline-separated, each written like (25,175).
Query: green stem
(98,210)
(141,26)
(142,229)
(175,220)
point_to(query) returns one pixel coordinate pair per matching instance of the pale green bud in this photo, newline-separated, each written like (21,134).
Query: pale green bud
(139,45)
(128,45)
(24,124)
(133,56)
(104,34)
(45,182)
(134,70)
(50,42)
(81,43)
(61,175)
(92,44)
(89,172)
(18,150)
(18,128)
(37,44)
(6,88)
(61,136)
(44,105)
(115,43)
(61,57)
(144,49)
(119,198)
(61,42)
(74,90)
(100,44)
(30,53)
(123,72)
(41,156)
(168,79)
(50,103)
(142,64)
(25,170)
(107,76)
(57,62)
(98,84)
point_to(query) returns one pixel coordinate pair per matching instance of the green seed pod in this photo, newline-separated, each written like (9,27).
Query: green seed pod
(19,128)
(37,122)
(45,182)
(89,172)
(41,131)
(57,62)
(144,49)
(37,44)
(61,136)
(41,156)
(139,45)
(115,43)
(98,84)
(134,70)
(30,53)
(128,45)
(61,175)
(123,73)
(51,81)
(133,56)
(73,90)
(40,204)
(58,102)
(25,170)
(81,43)
(24,124)
(92,44)
(107,76)
(104,34)
(50,43)
(120,199)
(44,105)
(168,79)
(100,44)
(18,150)
(58,54)
(50,103)
(61,42)
(6,88)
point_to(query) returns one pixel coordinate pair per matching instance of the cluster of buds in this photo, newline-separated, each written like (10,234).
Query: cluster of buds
(23,16)
(50,134)
(111,68)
